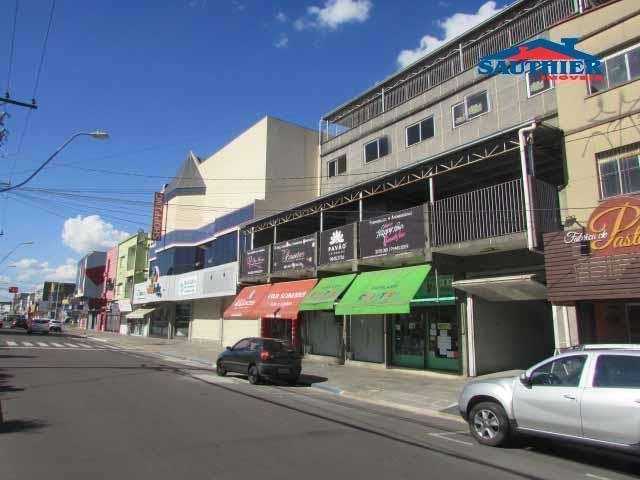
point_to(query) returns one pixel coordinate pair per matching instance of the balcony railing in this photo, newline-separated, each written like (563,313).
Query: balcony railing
(489,212)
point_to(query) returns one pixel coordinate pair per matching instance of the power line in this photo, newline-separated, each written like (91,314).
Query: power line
(44,50)
(12,47)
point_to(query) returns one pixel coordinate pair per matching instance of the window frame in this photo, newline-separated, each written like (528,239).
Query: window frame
(621,182)
(624,52)
(583,371)
(377,142)
(336,163)
(552,85)
(466,108)
(419,123)
(595,372)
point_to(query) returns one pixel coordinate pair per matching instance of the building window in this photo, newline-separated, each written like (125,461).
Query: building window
(471,107)
(618,68)
(121,262)
(337,166)
(420,131)
(376,149)
(537,84)
(619,171)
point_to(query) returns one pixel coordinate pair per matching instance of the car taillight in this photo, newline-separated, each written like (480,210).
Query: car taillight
(264,356)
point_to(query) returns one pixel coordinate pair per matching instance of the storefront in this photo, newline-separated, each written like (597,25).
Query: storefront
(138,321)
(241,319)
(322,330)
(182,320)
(402,317)
(279,310)
(593,277)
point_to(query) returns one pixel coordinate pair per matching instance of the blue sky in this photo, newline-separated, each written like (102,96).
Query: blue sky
(165,77)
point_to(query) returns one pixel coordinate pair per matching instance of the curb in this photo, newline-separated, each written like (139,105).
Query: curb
(407,408)
(327,388)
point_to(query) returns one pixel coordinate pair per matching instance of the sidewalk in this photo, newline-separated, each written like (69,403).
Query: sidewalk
(418,392)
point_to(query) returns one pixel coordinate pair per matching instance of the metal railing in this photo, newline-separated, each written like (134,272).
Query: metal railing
(489,212)
(524,23)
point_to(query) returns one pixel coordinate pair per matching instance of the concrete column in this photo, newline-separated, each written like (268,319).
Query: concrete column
(471,347)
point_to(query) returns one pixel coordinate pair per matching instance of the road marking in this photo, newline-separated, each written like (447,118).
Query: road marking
(12,344)
(85,345)
(444,436)
(27,344)
(42,344)
(597,477)
(57,344)
(72,345)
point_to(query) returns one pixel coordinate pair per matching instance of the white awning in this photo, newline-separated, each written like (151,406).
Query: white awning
(139,314)
(124,306)
(504,289)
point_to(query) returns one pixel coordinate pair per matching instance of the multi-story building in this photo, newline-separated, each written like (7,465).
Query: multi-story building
(593,266)
(436,187)
(49,299)
(109,317)
(194,263)
(132,268)
(89,286)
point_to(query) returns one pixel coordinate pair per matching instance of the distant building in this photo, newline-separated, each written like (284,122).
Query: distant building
(89,287)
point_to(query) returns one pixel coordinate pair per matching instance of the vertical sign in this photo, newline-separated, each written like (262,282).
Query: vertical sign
(156,220)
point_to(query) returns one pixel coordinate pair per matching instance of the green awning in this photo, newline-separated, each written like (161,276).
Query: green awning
(326,292)
(383,291)
(139,313)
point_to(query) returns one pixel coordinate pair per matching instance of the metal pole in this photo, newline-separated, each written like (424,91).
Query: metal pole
(321,220)
(360,213)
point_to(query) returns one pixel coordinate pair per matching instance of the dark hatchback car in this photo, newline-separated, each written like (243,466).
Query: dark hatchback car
(19,322)
(261,359)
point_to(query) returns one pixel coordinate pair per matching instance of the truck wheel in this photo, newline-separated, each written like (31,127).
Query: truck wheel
(489,424)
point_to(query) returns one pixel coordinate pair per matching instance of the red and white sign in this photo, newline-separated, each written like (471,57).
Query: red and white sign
(283,300)
(156,220)
(13,289)
(245,304)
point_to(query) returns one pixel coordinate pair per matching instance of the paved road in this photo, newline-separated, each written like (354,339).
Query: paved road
(94,412)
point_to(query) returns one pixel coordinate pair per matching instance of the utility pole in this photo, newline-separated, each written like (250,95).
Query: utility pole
(7,99)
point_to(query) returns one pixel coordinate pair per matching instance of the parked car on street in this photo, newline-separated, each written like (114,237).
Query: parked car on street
(55,325)
(38,325)
(589,395)
(261,358)
(19,321)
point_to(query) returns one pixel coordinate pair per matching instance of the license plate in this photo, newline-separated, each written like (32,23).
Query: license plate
(283,370)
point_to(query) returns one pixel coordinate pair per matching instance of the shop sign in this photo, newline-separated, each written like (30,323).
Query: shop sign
(613,228)
(187,286)
(156,219)
(297,254)
(437,286)
(337,244)
(256,261)
(393,233)
(13,289)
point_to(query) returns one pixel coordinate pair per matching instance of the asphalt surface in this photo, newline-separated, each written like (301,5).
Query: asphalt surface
(83,410)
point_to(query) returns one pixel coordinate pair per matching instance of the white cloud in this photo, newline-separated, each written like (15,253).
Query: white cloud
(335,13)
(281,17)
(90,233)
(32,271)
(452,27)
(282,42)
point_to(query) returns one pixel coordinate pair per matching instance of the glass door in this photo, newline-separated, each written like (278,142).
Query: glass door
(444,338)
(408,340)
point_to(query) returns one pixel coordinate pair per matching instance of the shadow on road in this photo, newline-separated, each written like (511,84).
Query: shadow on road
(14,426)
(17,356)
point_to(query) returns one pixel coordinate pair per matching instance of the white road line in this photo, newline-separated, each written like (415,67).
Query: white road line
(42,344)
(12,344)
(72,345)
(84,345)
(597,477)
(57,344)
(27,344)
(444,436)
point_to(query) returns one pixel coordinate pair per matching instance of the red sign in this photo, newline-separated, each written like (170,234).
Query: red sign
(614,227)
(284,298)
(156,220)
(244,306)
(13,289)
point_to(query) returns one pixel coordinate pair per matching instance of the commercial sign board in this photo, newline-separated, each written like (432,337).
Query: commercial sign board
(296,254)
(156,219)
(187,286)
(393,233)
(338,244)
(13,289)
(256,261)
(613,228)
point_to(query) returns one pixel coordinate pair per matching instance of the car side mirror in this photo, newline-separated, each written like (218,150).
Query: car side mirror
(525,379)
(228,348)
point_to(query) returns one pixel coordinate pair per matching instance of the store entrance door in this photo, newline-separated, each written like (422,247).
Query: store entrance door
(279,328)
(409,340)
(443,331)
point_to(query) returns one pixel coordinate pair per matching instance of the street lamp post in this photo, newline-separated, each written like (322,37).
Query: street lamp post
(99,135)
(14,249)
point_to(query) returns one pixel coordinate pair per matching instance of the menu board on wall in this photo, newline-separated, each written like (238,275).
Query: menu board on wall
(393,233)
(296,254)
(256,261)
